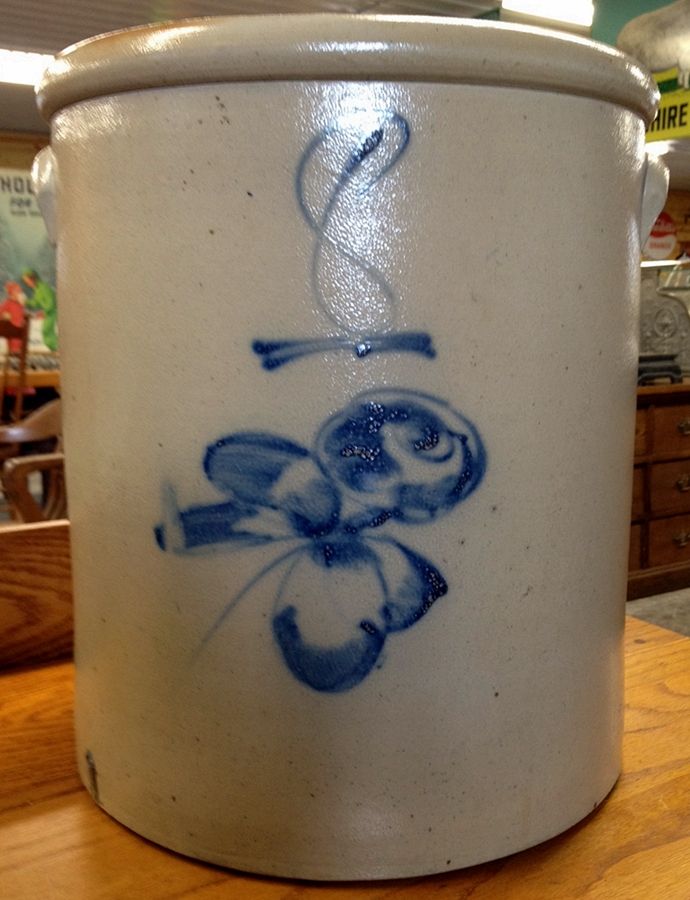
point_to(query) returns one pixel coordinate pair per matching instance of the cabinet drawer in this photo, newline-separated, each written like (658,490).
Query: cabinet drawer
(669,541)
(635,557)
(670,488)
(672,429)
(641,432)
(638,493)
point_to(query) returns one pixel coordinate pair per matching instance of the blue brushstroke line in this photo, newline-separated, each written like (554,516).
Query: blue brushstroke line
(366,147)
(228,608)
(278,353)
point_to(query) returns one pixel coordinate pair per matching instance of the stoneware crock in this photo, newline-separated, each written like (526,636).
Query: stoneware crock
(348,316)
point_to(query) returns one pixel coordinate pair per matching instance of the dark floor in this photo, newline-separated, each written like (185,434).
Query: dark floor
(667,610)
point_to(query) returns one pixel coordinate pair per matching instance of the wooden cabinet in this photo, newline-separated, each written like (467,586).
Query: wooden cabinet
(660,520)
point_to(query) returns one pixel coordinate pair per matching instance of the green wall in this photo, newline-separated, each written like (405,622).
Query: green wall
(611,15)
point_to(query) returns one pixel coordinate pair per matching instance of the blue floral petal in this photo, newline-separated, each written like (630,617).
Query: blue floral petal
(331,669)
(328,622)
(412,584)
(402,451)
(202,525)
(314,510)
(340,600)
(234,524)
(248,464)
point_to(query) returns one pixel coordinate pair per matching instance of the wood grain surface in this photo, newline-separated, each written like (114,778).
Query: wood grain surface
(37,378)
(35,593)
(55,844)
(17,150)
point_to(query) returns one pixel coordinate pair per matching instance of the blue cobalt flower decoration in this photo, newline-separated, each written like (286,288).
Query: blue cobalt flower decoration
(391,455)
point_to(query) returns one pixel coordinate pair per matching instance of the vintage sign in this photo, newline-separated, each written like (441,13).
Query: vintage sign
(673,118)
(27,260)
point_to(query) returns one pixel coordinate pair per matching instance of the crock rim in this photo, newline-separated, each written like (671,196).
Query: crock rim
(339,47)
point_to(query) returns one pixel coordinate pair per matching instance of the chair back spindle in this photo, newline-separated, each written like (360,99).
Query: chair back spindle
(16,338)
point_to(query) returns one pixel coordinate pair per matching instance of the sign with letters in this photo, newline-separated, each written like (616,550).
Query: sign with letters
(27,260)
(673,118)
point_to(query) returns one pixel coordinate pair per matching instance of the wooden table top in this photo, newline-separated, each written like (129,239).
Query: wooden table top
(36,378)
(55,844)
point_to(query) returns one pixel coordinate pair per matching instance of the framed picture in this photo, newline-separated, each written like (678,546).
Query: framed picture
(27,261)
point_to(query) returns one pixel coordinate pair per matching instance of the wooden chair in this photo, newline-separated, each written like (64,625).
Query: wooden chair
(14,379)
(23,505)
(33,445)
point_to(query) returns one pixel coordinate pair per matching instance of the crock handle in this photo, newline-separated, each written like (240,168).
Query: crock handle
(43,181)
(653,194)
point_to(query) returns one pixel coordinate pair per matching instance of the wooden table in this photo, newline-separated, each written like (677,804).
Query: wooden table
(55,844)
(36,378)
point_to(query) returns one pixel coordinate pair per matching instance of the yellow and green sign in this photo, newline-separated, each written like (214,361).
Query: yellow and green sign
(673,119)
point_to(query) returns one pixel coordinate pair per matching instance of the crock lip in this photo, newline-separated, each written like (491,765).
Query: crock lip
(336,47)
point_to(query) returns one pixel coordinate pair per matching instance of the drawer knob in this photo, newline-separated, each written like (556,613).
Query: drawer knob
(682,539)
(684,427)
(683,484)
